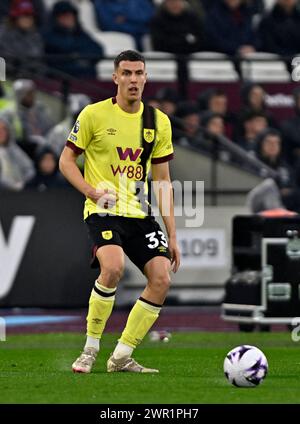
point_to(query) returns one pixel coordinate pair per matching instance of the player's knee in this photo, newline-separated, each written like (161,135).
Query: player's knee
(111,275)
(161,283)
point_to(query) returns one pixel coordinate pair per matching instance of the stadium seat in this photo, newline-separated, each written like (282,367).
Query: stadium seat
(202,68)
(49,3)
(147,43)
(161,66)
(158,70)
(87,16)
(259,70)
(105,69)
(269,4)
(113,42)
(208,55)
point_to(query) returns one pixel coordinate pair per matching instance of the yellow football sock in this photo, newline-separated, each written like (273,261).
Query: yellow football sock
(100,307)
(141,318)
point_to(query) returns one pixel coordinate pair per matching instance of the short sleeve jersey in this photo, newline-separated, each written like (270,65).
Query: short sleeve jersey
(118,154)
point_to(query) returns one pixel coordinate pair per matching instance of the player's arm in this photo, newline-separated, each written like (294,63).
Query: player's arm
(164,195)
(70,170)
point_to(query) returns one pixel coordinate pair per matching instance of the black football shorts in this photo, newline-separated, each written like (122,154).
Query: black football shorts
(141,239)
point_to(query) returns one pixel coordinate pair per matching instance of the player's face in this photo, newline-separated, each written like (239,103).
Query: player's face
(130,78)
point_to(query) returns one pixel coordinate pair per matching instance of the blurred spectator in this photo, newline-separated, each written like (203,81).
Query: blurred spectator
(291,130)
(72,49)
(129,16)
(279,29)
(191,133)
(215,100)
(15,166)
(175,28)
(208,4)
(253,123)
(256,6)
(6,104)
(186,124)
(269,151)
(20,43)
(265,197)
(213,122)
(8,110)
(253,98)
(152,101)
(47,171)
(197,7)
(58,135)
(228,27)
(168,99)
(40,12)
(34,116)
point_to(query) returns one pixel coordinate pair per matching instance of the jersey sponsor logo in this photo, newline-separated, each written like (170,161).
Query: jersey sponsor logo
(128,152)
(149,135)
(107,235)
(135,172)
(111,131)
(76,127)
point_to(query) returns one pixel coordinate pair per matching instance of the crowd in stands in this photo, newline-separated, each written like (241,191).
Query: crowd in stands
(31,142)
(274,142)
(34,33)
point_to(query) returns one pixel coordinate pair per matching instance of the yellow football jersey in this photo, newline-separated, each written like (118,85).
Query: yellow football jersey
(118,154)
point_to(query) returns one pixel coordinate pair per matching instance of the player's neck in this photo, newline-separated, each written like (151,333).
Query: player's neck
(129,107)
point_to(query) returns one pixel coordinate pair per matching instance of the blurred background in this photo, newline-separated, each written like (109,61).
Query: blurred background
(224,71)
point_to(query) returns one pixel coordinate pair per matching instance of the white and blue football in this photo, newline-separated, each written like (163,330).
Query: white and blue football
(245,366)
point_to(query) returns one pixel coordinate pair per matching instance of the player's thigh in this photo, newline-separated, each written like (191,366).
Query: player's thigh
(111,260)
(105,232)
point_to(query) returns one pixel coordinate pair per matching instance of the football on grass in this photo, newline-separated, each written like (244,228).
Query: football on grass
(245,366)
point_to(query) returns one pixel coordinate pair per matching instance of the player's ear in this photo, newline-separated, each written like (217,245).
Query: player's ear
(115,78)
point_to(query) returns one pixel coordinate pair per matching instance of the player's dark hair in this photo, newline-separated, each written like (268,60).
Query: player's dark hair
(130,55)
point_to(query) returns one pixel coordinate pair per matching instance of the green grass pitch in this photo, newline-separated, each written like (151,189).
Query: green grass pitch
(37,369)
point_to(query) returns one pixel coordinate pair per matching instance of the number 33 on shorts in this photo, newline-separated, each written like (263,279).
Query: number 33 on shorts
(156,238)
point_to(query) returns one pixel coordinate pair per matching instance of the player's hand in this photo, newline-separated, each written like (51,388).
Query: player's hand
(105,198)
(175,254)
(108,198)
